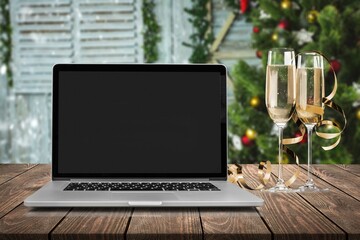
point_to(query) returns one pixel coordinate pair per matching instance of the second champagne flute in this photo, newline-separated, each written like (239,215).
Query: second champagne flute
(280,97)
(309,106)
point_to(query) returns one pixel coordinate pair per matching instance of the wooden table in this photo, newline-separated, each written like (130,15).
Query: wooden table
(334,214)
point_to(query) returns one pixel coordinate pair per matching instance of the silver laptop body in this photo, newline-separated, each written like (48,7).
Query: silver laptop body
(140,135)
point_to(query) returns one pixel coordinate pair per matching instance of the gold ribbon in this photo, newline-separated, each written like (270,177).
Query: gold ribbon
(235,173)
(328,102)
(292,154)
(320,111)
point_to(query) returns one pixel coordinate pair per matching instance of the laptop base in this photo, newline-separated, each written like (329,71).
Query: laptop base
(230,195)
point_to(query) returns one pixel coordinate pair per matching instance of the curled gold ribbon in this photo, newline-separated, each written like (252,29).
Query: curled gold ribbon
(235,172)
(295,175)
(302,129)
(320,111)
(328,102)
(331,104)
(264,173)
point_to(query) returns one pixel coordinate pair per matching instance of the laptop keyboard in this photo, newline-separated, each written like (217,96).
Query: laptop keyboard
(140,186)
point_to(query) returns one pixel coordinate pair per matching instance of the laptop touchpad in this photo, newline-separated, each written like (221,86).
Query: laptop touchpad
(138,197)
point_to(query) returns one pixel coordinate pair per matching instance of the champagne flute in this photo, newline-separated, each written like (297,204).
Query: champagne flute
(280,97)
(309,106)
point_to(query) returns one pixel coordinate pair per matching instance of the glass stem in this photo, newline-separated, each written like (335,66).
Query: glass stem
(280,177)
(309,140)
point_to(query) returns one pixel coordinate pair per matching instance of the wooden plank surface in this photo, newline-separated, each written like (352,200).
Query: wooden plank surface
(348,183)
(322,215)
(334,204)
(233,223)
(14,192)
(93,223)
(30,223)
(165,223)
(9,171)
(289,216)
(18,221)
(353,168)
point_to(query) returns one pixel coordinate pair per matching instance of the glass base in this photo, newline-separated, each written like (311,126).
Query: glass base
(280,187)
(311,187)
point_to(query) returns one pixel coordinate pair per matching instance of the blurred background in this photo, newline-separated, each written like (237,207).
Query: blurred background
(36,34)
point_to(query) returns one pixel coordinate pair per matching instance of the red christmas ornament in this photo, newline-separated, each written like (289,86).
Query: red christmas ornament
(304,140)
(246,141)
(243,5)
(298,134)
(259,54)
(283,24)
(256,29)
(336,65)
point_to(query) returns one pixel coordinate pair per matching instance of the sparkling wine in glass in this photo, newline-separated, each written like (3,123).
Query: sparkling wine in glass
(280,97)
(309,106)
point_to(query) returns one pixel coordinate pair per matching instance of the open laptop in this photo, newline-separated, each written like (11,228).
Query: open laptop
(139,135)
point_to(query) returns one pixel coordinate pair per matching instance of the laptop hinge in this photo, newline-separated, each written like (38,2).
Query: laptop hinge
(218,179)
(60,179)
(139,179)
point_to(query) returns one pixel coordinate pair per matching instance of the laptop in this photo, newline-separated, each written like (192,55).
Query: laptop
(128,135)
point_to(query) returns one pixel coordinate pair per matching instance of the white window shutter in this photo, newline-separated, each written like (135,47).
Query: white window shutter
(107,31)
(47,32)
(41,38)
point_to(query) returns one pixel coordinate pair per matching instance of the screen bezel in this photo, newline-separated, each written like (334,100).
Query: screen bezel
(222,175)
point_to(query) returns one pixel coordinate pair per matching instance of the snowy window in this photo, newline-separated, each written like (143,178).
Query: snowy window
(46,32)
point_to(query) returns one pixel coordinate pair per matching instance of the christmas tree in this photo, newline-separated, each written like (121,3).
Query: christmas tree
(331,27)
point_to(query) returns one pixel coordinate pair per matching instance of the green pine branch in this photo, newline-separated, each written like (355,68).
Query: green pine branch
(151,32)
(202,38)
(5,40)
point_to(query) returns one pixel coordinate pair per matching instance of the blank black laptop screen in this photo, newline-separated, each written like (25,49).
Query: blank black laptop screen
(139,121)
